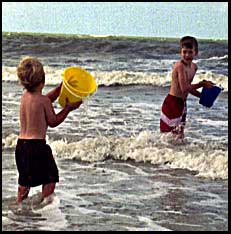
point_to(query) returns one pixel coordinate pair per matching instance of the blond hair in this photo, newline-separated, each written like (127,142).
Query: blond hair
(30,73)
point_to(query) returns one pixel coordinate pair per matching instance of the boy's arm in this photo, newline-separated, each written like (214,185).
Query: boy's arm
(184,83)
(204,83)
(54,119)
(195,93)
(186,86)
(53,94)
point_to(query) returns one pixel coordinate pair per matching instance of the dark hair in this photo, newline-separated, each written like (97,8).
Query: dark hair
(30,73)
(189,42)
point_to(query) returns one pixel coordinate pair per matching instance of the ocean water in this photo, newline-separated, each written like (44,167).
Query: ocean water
(117,172)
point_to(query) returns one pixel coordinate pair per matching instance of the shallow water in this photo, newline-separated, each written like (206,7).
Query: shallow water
(117,195)
(123,123)
(117,172)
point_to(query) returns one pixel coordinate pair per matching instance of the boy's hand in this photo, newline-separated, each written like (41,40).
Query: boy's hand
(207,84)
(60,85)
(72,106)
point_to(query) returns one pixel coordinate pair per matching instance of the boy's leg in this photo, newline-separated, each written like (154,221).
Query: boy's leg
(178,132)
(47,189)
(22,193)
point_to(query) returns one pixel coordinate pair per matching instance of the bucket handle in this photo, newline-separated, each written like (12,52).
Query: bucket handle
(74,93)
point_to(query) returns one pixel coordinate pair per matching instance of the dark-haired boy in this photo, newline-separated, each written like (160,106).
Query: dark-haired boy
(174,109)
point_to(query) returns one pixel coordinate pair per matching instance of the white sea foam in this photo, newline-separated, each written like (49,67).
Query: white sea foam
(10,141)
(7,221)
(205,157)
(53,218)
(216,58)
(152,226)
(53,77)
(213,122)
(211,199)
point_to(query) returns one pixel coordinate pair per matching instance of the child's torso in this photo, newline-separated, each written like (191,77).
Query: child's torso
(32,117)
(175,89)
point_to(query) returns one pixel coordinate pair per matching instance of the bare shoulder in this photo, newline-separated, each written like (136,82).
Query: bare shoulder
(194,65)
(178,65)
(45,100)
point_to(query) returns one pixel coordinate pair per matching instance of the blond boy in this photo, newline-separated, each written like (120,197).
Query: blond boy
(34,159)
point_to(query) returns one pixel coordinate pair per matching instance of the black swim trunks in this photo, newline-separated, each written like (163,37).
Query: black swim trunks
(35,163)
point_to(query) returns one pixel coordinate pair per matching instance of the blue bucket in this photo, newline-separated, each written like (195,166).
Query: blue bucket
(208,96)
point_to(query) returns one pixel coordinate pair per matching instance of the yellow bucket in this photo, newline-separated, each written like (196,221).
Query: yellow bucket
(77,85)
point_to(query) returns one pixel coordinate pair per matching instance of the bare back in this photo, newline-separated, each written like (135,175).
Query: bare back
(33,123)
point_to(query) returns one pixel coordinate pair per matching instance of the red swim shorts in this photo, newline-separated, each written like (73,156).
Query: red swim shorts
(173,113)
